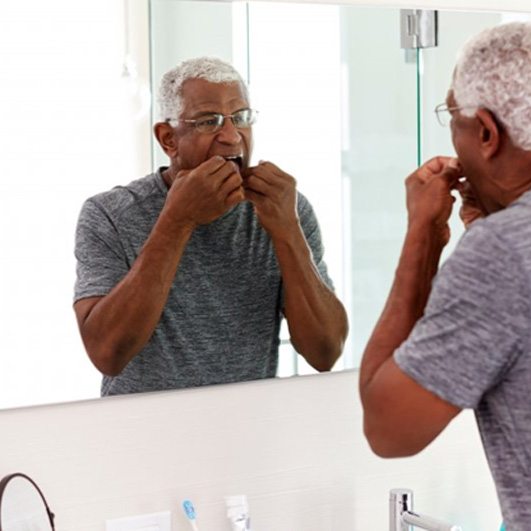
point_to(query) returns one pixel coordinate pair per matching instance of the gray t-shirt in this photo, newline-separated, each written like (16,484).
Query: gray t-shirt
(472,347)
(222,318)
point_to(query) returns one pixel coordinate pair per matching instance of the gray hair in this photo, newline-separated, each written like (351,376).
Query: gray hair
(208,68)
(494,72)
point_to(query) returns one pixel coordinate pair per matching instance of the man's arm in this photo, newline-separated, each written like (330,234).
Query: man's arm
(316,318)
(116,327)
(400,416)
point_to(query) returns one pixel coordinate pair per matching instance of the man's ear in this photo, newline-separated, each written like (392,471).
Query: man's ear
(490,133)
(165,135)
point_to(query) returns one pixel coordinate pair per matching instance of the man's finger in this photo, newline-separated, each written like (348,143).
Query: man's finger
(437,165)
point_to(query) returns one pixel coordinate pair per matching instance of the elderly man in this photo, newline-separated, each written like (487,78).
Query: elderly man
(183,276)
(459,337)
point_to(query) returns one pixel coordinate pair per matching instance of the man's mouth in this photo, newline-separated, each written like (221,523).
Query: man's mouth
(238,159)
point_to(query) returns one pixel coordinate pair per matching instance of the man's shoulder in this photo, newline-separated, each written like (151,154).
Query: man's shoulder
(516,214)
(509,226)
(494,248)
(122,197)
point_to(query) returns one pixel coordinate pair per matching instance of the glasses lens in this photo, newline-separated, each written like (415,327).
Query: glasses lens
(244,118)
(209,123)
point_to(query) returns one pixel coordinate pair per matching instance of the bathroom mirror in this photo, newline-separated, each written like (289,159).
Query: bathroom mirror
(23,506)
(77,82)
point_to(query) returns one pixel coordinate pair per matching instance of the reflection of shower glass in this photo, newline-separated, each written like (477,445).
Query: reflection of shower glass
(418,30)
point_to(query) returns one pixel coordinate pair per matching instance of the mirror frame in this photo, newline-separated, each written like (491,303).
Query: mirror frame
(3,485)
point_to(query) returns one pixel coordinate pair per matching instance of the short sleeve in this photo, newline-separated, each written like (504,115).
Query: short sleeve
(312,232)
(101,261)
(475,322)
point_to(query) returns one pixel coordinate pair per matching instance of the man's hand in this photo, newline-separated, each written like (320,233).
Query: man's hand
(429,199)
(199,196)
(274,196)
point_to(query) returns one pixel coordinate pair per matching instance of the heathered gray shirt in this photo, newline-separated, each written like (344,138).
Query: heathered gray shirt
(222,318)
(472,348)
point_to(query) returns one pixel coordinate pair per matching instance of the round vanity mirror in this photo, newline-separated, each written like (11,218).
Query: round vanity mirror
(23,506)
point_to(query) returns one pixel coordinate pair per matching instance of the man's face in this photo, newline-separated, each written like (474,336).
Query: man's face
(200,97)
(466,141)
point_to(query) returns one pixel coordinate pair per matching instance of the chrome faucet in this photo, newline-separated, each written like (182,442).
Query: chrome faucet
(402,517)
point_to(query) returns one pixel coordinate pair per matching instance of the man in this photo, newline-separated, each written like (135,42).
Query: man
(459,338)
(183,276)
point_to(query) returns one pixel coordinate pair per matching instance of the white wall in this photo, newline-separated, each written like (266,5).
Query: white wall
(293,446)
(70,126)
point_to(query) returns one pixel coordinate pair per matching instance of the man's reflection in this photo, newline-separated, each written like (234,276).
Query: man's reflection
(458,337)
(183,276)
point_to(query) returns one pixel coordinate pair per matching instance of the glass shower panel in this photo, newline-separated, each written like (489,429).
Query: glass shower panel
(379,150)
(436,67)
(338,112)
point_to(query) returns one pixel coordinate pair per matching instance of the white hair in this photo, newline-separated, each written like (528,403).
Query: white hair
(494,72)
(208,68)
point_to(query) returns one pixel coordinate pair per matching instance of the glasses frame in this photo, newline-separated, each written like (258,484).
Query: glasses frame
(220,119)
(443,108)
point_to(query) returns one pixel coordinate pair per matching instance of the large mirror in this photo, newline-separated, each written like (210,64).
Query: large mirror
(343,108)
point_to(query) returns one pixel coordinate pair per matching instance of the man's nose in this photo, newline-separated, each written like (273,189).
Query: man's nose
(228,132)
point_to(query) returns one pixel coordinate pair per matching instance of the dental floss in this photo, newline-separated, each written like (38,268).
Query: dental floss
(238,512)
(189,510)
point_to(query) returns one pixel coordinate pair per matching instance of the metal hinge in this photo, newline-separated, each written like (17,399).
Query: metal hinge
(418,28)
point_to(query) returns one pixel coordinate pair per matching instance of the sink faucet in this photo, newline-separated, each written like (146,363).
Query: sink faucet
(401,515)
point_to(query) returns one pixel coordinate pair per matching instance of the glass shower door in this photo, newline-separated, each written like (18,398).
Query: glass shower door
(379,150)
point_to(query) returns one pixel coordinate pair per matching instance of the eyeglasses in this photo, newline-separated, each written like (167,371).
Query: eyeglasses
(212,123)
(444,113)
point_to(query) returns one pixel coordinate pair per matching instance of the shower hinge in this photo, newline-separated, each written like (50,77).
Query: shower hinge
(418,28)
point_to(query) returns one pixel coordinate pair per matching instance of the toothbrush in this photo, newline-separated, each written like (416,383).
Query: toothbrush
(190,513)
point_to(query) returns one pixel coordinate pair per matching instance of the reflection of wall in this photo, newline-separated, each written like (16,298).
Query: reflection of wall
(294,447)
(184,29)
(295,84)
(67,131)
